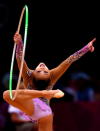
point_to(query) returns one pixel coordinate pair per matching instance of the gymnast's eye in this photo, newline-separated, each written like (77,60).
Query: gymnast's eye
(38,71)
(45,72)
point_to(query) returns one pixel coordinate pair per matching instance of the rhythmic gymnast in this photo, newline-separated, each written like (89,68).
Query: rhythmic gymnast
(34,99)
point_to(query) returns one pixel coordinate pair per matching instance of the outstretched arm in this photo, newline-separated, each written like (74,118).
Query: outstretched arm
(57,72)
(19,49)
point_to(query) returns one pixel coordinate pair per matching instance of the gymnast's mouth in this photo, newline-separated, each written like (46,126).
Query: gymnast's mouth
(42,65)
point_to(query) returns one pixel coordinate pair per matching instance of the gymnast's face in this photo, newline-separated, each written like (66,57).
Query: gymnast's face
(42,72)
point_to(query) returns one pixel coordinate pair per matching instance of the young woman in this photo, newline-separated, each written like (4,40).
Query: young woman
(38,83)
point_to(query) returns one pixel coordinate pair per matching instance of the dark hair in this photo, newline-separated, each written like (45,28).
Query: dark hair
(41,84)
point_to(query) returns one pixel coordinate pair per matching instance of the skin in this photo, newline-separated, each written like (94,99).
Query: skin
(24,98)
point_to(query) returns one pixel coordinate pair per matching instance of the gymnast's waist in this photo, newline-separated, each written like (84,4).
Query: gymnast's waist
(41,98)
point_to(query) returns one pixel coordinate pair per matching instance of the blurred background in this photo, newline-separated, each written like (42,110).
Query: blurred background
(56,30)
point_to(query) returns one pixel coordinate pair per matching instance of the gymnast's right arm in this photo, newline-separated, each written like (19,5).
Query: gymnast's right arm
(19,49)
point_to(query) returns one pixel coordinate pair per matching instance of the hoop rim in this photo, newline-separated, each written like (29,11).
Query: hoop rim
(24,10)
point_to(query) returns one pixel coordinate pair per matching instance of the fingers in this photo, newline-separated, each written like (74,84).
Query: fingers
(92,49)
(17,38)
(93,40)
(17,35)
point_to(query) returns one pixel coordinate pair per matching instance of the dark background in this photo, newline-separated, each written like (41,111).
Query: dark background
(56,30)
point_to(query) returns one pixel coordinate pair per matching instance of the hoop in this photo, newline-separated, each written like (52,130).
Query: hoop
(25,9)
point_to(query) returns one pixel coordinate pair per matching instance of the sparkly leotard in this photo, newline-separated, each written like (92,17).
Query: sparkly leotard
(55,74)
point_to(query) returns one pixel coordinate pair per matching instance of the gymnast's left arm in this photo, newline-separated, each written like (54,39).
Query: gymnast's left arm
(57,72)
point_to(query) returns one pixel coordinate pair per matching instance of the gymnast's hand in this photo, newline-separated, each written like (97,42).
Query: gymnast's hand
(17,38)
(90,45)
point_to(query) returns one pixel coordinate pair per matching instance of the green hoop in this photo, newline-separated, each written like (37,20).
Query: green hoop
(25,9)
